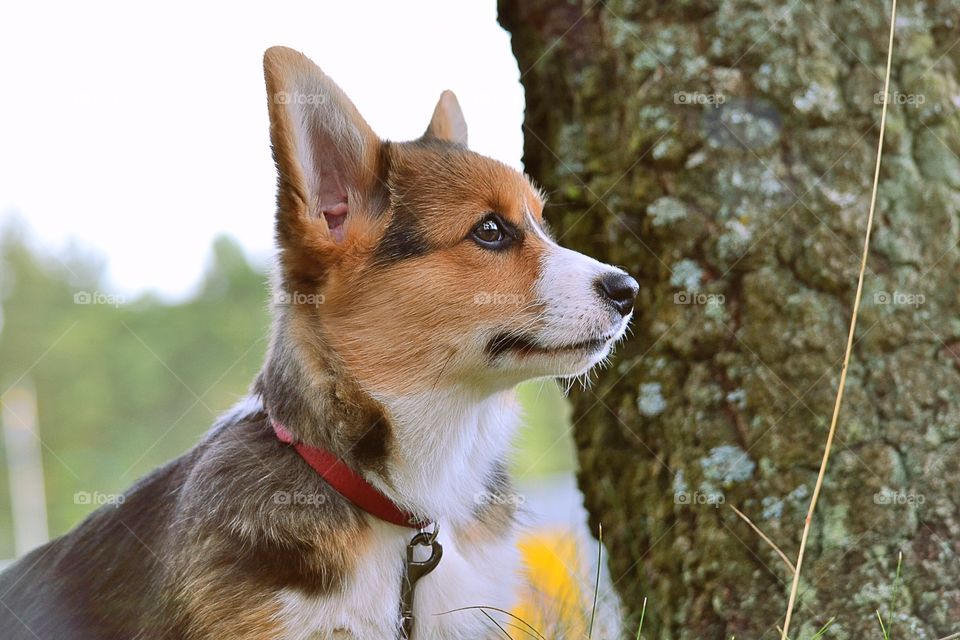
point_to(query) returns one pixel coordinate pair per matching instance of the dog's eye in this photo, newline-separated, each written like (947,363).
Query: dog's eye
(491,233)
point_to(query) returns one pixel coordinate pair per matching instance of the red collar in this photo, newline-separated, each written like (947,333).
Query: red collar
(350,484)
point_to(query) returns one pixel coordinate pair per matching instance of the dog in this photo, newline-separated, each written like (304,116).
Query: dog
(361,490)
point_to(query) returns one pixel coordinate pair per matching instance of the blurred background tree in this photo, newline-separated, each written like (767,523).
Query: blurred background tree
(723,151)
(122,385)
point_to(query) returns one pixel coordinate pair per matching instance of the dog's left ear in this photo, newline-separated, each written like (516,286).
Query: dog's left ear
(447,122)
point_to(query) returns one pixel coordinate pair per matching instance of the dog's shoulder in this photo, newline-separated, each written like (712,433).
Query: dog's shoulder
(254,519)
(251,489)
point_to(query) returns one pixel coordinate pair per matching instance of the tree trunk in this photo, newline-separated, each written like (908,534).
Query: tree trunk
(723,152)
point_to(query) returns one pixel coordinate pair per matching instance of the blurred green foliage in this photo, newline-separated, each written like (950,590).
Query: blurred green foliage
(125,385)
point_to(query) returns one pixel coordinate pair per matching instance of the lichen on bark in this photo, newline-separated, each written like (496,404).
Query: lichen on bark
(722,151)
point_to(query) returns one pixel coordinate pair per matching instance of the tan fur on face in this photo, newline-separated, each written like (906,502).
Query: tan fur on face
(418,323)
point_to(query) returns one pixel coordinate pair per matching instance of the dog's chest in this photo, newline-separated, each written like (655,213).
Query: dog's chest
(470,574)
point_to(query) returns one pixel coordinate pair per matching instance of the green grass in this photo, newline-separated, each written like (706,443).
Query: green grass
(887,629)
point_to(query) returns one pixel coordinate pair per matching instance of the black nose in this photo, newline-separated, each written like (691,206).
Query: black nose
(619,289)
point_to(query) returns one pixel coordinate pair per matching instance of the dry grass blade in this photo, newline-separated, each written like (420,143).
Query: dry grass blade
(853,327)
(503,611)
(760,533)
(490,618)
(514,625)
(596,587)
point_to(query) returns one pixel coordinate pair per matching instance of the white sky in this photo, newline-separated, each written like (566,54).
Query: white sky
(141,129)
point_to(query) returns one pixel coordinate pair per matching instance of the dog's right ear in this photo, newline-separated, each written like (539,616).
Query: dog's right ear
(327,160)
(448,122)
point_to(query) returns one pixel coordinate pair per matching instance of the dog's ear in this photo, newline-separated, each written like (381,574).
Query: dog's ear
(327,157)
(447,122)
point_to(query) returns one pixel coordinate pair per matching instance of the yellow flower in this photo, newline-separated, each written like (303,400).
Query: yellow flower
(553,599)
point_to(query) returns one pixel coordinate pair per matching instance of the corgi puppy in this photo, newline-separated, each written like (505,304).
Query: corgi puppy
(361,490)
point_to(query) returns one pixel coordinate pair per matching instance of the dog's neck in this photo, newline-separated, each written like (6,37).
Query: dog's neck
(450,445)
(433,453)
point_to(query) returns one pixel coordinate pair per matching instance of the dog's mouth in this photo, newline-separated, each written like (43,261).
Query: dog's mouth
(525,345)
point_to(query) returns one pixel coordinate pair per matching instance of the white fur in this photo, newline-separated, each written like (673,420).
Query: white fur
(574,312)
(245,406)
(448,445)
(449,448)
(369,607)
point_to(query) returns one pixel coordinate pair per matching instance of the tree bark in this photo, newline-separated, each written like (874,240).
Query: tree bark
(723,152)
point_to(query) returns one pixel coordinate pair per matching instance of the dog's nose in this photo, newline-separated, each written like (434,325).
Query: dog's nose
(619,289)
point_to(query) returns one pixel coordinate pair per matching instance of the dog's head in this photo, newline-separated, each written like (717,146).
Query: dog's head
(422,264)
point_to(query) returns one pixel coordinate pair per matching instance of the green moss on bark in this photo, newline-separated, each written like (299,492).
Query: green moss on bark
(723,152)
